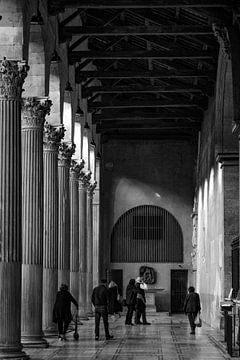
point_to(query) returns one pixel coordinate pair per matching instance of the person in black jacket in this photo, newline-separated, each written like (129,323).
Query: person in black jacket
(62,310)
(131,300)
(100,301)
(192,307)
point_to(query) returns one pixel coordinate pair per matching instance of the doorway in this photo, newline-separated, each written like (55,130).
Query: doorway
(179,280)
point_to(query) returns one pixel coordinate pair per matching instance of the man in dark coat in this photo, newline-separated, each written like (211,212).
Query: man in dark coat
(192,307)
(62,310)
(131,299)
(100,301)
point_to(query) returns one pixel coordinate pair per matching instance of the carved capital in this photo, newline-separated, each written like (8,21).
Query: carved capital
(34,110)
(221,33)
(52,136)
(76,168)
(65,152)
(91,187)
(12,76)
(84,179)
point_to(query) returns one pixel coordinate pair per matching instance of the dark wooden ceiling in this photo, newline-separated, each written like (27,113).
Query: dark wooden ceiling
(155,61)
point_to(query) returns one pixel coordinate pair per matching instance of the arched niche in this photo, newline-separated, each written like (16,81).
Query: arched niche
(147,233)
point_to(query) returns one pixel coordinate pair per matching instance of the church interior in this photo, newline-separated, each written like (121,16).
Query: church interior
(119,157)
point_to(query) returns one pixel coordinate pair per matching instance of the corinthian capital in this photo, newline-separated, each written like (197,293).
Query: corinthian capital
(52,136)
(66,151)
(76,168)
(84,178)
(34,110)
(91,188)
(221,33)
(12,76)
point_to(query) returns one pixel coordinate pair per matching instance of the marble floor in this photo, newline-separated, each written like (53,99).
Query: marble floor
(168,338)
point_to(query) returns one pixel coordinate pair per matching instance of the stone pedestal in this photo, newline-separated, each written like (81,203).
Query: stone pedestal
(64,160)
(51,140)
(33,117)
(12,75)
(82,300)
(150,301)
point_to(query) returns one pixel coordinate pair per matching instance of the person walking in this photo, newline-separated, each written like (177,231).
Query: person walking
(62,310)
(114,306)
(141,303)
(131,300)
(100,302)
(191,307)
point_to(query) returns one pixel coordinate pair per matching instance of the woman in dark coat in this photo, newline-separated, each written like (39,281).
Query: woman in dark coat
(131,299)
(114,306)
(192,307)
(62,310)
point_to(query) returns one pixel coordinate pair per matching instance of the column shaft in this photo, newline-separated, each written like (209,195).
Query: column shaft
(11,80)
(89,284)
(74,230)
(52,138)
(82,247)
(33,116)
(64,159)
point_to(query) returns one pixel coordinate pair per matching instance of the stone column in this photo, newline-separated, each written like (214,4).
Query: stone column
(12,75)
(89,284)
(64,160)
(34,111)
(83,182)
(51,141)
(74,227)
(96,207)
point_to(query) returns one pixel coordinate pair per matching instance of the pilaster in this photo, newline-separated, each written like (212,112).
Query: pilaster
(66,150)
(34,111)
(12,75)
(51,141)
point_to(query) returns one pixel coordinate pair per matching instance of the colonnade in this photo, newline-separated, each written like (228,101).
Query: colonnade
(46,208)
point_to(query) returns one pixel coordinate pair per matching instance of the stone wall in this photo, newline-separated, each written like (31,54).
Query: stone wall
(217,184)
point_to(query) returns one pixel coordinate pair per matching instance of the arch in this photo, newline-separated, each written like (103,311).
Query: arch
(147,233)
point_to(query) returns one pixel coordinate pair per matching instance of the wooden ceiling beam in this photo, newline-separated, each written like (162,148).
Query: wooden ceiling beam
(75,56)
(154,30)
(152,74)
(101,118)
(155,124)
(142,104)
(138,4)
(88,91)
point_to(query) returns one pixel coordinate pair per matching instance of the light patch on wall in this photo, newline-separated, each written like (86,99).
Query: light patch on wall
(211,185)
(220,176)
(67,117)
(158,195)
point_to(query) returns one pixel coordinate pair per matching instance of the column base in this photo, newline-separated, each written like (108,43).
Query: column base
(12,353)
(29,341)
